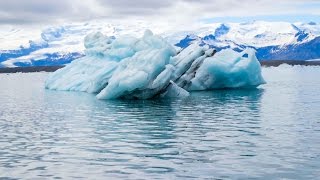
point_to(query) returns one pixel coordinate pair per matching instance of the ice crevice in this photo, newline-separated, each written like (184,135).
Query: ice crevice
(149,67)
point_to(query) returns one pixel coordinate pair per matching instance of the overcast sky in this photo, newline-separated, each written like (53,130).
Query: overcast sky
(61,11)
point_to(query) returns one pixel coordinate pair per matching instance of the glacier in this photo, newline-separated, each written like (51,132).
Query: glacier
(60,44)
(127,67)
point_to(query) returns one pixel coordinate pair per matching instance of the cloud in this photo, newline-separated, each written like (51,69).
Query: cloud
(53,11)
(46,11)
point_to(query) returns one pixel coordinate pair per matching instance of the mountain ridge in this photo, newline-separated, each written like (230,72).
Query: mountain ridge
(62,44)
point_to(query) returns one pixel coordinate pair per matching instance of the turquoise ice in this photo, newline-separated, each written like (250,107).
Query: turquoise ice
(149,67)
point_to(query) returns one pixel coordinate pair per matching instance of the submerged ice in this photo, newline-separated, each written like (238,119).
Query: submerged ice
(149,67)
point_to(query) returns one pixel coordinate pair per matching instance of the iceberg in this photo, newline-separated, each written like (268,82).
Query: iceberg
(127,67)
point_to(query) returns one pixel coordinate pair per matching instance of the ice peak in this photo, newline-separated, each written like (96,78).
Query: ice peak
(147,33)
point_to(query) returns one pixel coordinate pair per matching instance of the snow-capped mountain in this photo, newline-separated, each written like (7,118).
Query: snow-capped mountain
(58,45)
(272,40)
(62,44)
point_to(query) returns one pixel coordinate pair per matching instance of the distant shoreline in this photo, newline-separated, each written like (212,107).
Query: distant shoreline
(268,63)
(30,69)
(275,63)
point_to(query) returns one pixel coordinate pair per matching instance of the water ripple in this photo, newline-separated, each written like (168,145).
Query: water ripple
(224,134)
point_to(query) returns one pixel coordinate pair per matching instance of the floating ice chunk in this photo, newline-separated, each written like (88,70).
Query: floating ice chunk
(149,67)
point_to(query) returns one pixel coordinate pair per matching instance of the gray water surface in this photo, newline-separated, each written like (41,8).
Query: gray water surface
(272,132)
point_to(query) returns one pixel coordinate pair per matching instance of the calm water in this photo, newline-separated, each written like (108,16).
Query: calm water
(268,133)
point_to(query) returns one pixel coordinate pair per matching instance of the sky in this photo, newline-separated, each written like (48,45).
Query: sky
(31,12)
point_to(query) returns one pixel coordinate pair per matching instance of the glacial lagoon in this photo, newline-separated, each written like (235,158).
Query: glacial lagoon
(266,133)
